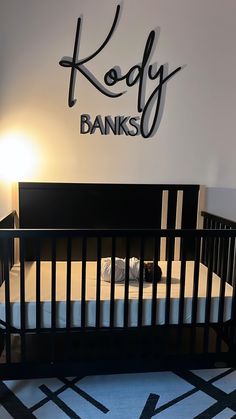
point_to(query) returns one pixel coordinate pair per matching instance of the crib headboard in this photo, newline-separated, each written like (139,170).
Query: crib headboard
(86,205)
(71,205)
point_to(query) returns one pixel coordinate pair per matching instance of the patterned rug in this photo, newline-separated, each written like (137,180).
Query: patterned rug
(186,394)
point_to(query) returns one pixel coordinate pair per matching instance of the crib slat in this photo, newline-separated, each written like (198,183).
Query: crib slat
(83,285)
(195,294)
(22,297)
(140,291)
(204,243)
(220,251)
(53,299)
(38,286)
(154,285)
(190,207)
(171,216)
(172,206)
(158,206)
(68,284)
(231,261)
(126,296)
(211,249)
(233,258)
(189,215)
(216,250)
(163,224)
(112,293)
(223,273)
(6,276)
(210,226)
(98,290)
(169,256)
(195,281)
(53,288)
(182,281)
(1,261)
(233,306)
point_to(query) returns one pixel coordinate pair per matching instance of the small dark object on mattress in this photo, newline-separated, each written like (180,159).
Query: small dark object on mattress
(150,275)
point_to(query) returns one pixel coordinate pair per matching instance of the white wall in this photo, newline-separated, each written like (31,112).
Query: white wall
(222,201)
(5,199)
(195,141)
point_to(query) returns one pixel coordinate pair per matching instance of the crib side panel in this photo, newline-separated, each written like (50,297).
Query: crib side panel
(153,340)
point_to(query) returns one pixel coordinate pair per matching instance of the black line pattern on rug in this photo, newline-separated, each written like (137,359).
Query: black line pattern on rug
(86,396)
(149,407)
(223,400)
(149,410)
(12,404)
(63,406)
(70,384)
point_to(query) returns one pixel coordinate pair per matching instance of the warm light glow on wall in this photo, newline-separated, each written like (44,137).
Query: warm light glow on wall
(18,158)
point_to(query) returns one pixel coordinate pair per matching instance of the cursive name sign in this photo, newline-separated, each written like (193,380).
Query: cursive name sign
(146,122)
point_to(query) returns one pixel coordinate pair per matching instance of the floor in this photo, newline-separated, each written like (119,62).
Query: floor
(173,394)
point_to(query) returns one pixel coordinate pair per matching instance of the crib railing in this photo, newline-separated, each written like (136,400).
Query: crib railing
(212,221)
(212,247)
(78,242)
(212,256)
(215,222)
(8,222)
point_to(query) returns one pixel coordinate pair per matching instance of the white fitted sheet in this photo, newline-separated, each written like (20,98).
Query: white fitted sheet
(30,296)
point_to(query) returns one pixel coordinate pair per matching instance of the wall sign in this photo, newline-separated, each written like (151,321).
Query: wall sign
(149,108)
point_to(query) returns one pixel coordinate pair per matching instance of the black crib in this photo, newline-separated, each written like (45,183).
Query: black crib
(83,223)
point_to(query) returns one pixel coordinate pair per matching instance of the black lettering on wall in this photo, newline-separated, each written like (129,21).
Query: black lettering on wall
(149,108)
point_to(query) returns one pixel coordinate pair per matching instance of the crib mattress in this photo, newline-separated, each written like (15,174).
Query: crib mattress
(76,268)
